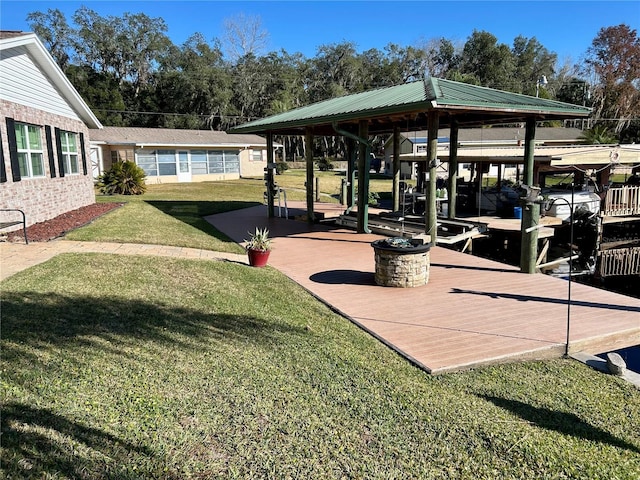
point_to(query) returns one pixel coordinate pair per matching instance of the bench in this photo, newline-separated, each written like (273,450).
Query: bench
(11,223)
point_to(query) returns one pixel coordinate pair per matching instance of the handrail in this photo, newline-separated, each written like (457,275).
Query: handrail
(622,201)
(23,222)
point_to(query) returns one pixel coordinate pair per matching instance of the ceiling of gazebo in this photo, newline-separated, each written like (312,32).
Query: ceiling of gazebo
(407,106)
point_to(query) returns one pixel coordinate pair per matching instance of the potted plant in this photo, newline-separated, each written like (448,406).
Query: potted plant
(258,247)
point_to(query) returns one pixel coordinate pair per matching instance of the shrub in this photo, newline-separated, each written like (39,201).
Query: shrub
(373,198)
(123,178)
(281,167)
(324,165)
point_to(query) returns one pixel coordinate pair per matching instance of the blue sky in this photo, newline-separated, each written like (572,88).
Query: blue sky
(564,27)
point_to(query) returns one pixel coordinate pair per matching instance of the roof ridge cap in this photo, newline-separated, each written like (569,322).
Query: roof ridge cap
(431,88)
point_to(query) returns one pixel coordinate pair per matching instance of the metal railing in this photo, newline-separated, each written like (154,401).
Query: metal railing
(620,261)
(280,194)
(622,201)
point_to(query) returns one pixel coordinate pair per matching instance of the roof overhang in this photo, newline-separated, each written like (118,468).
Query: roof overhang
(588,156)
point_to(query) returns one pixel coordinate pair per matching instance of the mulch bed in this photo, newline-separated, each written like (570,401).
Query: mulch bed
(60,225)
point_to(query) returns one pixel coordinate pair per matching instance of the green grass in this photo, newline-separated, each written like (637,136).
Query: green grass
(135,367)
(172,214)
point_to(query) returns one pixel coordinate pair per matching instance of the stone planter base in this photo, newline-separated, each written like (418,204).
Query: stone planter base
(402,267)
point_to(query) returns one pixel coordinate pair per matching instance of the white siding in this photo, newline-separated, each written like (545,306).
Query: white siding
(22,82)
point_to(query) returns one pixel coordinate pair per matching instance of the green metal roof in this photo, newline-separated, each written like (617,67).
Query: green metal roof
(386,107)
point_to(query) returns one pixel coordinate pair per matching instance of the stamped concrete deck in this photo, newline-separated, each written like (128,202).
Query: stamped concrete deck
(473,311)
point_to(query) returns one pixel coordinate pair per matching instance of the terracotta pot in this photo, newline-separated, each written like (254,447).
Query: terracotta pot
(258,258)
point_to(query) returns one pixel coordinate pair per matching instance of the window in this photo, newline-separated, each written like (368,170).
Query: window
(164,162)
(256,156)
(199,162)
(147,161)
(122,156)
(167,162)
(231,162)
(30,156)
(221,161)
(69,152)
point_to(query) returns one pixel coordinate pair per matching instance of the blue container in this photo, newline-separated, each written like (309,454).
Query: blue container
(517,212)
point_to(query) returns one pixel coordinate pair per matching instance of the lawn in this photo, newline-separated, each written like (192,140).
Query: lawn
(171,214)
(136,367)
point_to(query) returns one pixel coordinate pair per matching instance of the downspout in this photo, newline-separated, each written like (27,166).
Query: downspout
(453,168)
(270,183)
(308,138)
(363,173)
(396,169)
(431,215)
(351,176)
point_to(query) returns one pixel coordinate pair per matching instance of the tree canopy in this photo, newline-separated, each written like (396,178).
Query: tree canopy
(131,74)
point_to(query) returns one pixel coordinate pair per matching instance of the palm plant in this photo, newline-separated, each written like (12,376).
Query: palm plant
(123,178)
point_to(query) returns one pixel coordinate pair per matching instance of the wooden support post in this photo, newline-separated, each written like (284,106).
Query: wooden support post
(530,210)
(480,176)
(309,182)
(529,154)
(453,168)
(431,214)
(396,168)
(363,178)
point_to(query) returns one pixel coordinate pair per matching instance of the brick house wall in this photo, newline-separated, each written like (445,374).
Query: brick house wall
(44,198)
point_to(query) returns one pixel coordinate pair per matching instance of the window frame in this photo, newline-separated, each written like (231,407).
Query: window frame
(257,155)
(67,154)
(29,152)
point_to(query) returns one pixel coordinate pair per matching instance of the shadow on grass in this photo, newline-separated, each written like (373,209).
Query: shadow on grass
(35,319)
(192,213)
(37,442)
(562,422)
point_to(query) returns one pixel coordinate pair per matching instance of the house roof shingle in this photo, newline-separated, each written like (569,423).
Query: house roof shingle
(172,137)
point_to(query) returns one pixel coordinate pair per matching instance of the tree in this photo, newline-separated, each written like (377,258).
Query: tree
(56,34)
(100,91)
(612,60)
(441,57)
(487,61)
(598,135)
(244,35)
(531,61)
(335,71)
(195,83)
(130,46)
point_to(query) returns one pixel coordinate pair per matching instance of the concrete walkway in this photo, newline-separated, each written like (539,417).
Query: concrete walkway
(15,257)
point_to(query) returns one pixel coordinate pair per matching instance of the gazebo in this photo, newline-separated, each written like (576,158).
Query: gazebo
(423,105)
